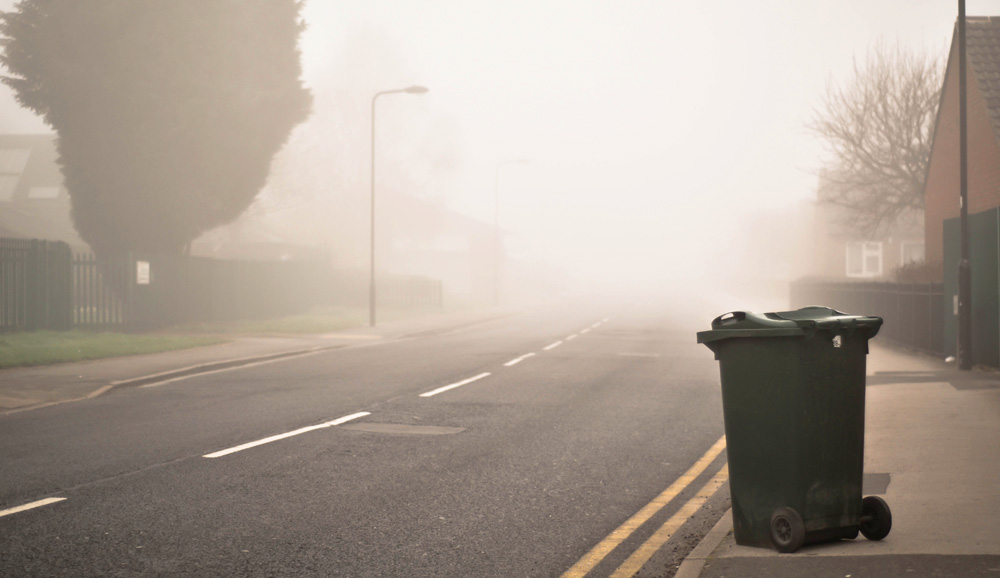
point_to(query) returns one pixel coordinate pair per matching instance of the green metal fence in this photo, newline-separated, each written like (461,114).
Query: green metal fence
(44,286)
(984,257)
(913,313)
(102,292)
(35,285)
(350,288)
(145,291)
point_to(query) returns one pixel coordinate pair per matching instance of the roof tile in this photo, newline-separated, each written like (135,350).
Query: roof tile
(982,44)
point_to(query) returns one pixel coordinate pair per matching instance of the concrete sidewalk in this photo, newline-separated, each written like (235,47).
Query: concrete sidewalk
(25,388)
(933,433)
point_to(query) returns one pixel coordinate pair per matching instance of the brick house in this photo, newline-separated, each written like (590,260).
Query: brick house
(34,203)
(836,252)
(941,188)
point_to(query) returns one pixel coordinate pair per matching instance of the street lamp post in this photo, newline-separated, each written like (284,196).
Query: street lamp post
(496,229)
(964,266)
(371,285)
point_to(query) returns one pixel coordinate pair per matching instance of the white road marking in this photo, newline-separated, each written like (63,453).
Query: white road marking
(553,346)
(596,325)
(572,337)
(454,385)
(518,360)
(605,320)
(99,391)
(268,440)
(30,506)
(639,354)
(587,330)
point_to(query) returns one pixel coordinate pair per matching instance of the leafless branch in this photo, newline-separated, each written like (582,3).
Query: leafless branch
(878,127)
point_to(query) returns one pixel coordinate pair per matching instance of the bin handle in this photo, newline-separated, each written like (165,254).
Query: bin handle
(729,318)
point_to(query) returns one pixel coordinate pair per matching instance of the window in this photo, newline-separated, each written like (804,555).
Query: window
(911,252)
(8,184)
(864,259)
(12,161)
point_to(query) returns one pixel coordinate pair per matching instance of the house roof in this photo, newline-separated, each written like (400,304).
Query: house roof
(982,46)
(29,169)
(982,49)
(34,203)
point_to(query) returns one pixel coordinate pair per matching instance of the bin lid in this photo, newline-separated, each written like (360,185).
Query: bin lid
(801,322)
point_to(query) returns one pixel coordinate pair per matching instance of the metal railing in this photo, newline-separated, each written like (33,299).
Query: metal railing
(913,313)
(44,286)
(35,285)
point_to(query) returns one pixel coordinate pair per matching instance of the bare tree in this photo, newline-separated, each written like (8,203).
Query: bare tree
(878,127)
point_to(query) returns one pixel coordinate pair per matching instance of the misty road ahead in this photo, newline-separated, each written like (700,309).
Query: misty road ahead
(565,425)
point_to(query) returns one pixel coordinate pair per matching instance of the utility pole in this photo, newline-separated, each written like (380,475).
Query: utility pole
(964,266)
(371,278)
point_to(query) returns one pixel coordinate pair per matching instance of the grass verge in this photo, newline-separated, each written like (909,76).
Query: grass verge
(317,320)
(47,347)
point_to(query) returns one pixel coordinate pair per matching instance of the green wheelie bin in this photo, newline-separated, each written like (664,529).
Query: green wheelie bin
(793,399)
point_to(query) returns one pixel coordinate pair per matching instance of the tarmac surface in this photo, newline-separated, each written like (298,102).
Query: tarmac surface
(932,450)
(26,388)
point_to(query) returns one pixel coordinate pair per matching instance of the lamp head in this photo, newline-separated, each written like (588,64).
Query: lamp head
(415,90)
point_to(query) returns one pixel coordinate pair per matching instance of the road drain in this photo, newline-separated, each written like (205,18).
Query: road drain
(403,429)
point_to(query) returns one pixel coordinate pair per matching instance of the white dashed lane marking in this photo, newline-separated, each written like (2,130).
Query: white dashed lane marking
(275,438)
(30,506)
(510,363)
(454,385)
(513,362)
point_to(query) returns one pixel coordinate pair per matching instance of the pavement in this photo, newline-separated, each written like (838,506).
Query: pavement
(29,388)
(932,444)
(933,434)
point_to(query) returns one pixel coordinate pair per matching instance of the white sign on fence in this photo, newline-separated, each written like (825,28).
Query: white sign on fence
(142,272)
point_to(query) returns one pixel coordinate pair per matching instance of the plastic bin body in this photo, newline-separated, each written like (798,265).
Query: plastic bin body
(794,409)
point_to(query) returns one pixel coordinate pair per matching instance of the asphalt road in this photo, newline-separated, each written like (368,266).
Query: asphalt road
(520,472)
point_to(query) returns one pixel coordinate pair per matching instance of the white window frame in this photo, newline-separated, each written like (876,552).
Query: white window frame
(868,249)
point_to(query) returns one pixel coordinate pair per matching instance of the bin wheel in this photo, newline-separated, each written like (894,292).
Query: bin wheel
(876,519)
(788,532)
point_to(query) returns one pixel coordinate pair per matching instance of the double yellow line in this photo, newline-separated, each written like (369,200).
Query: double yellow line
(634,562)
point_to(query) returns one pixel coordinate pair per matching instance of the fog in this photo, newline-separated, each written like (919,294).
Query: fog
(664,141)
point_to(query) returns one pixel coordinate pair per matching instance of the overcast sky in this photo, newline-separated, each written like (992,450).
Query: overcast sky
(651,126)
